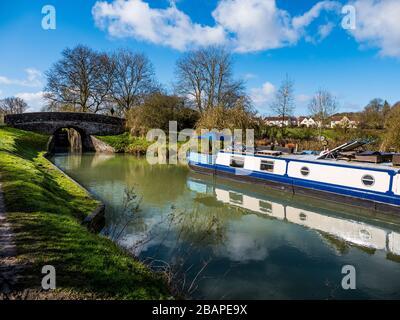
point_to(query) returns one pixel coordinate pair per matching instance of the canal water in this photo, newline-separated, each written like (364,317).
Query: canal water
(220,239)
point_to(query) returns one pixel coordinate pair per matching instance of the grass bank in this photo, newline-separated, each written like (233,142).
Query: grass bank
(45,209)
(126,143)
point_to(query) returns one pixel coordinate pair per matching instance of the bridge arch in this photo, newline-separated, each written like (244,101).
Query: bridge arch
(70,139)
(52,123)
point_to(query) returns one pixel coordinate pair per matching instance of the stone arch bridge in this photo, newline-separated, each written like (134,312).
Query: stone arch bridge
(86,125)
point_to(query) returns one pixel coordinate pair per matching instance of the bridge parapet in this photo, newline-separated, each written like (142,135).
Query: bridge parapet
(50,122)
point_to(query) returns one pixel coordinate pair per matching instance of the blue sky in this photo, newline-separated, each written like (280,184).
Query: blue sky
(268,38)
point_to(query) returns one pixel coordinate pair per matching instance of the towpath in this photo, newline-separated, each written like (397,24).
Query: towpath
(9,267)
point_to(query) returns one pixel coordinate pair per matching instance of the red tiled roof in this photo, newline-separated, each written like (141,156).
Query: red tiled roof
(279,118)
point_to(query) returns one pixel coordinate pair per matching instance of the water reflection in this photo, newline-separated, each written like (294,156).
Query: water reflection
(351,231)
(354,232)
(238,240)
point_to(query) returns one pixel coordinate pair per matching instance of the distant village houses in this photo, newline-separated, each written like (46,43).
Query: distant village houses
(343,122)
(281,122)
(307,122)
(336,121)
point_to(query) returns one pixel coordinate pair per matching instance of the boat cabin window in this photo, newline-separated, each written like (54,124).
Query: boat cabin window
(236,198)
(368,180)
(365,234)
(305,171)
(267,165)
(265,206)
(237,162)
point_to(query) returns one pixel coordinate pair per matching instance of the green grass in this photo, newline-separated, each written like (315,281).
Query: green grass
(125,143)
(45,209)
(309,133)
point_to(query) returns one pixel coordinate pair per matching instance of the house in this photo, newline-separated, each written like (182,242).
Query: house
(343,122)
(279,122)
(301,121)
(308,122)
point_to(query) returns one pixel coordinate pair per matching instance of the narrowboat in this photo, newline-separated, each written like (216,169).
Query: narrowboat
(329,174)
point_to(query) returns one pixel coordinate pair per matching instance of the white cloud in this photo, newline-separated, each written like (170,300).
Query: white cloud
(325,30)
(243,247)
(246,25)
(307,18)
(34,76)
(378,25)
(255,24)
(303,98)
(170,26)
(33,79)
(263,96)
(249,76)
(250,25)
(34,100)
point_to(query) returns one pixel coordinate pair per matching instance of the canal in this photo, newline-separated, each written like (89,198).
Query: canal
(219,239)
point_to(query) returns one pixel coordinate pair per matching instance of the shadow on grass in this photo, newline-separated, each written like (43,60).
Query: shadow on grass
(84,262)
(37,186)
(25,144)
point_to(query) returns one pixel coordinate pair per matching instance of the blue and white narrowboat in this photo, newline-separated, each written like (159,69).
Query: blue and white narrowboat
(375,186)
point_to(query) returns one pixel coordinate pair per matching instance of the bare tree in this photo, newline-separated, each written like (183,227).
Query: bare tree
(12,105)
(322,106)
(283,104)
(80,81)
(205,78)
(103,83)
(133,79)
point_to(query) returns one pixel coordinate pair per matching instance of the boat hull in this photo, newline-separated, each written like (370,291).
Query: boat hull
(291,187)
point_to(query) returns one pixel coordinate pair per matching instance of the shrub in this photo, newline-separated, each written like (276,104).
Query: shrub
(156,112)
(238,117)
(391,139)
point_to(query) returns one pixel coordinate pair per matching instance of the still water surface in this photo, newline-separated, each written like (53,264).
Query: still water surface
(237,241)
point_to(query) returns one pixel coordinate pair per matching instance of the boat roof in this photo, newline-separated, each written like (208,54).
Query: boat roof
(313,158)
(388,166)
(348,146)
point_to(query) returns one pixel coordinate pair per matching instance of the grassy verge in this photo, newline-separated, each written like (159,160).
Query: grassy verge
(45,209)
(125,143)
